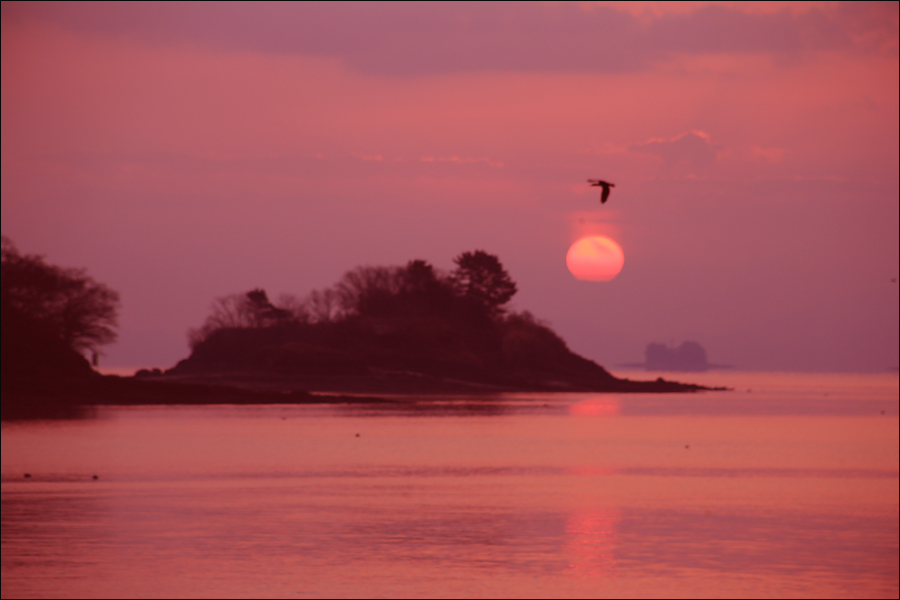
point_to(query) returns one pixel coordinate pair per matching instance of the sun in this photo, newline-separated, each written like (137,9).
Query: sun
(595,258)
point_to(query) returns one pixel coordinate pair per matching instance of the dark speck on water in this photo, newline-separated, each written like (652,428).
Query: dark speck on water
(28,475)
(96,477)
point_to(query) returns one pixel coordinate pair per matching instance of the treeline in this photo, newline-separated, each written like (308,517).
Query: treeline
(379,329)
(52,317)
(477,290)
(409,328)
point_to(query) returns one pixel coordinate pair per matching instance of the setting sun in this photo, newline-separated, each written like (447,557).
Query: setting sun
(595,258)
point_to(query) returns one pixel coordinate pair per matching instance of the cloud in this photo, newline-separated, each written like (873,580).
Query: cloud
(693,149)
(463,160)
(656,8)
(769,154)
(430,38)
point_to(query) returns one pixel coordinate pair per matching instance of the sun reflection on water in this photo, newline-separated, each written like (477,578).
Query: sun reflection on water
(591,541)
(600,406)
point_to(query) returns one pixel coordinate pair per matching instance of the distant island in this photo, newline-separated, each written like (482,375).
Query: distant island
(688,357)
(380,330)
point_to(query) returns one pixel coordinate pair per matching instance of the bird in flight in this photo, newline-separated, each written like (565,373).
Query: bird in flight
(605,185)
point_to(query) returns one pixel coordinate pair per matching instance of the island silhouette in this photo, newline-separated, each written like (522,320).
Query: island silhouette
(398,330)
(688,357)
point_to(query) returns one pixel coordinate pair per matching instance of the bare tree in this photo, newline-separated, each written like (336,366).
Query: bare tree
(365,290)
(297,308)
(81,311)
(240,311)
(323,306)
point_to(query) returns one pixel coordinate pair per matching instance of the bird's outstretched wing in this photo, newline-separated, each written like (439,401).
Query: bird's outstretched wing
(603,184)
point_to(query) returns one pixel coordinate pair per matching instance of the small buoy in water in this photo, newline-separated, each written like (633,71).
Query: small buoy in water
(357,435)
(28,475)
(96,477)
(687,446)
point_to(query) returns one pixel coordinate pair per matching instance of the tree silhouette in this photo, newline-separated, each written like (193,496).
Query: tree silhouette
(323,306)
(419,277)
(67,302)
(263,312)
(480,278)
(369,291)
(241,311)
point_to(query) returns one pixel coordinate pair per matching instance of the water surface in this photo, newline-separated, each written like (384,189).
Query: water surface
(787,486)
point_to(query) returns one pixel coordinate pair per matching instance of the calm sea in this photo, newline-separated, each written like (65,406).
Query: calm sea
(785,487)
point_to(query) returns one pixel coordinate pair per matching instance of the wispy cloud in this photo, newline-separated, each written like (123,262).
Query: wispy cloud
(462,160)
(769,154)
(694,149)
(427,38)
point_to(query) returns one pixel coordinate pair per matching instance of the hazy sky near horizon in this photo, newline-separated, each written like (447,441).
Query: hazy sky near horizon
(185,151)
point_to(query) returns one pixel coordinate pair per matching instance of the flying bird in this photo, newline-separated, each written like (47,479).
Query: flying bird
(605,185)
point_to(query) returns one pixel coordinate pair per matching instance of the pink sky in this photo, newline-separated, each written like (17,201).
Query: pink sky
(182,152)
